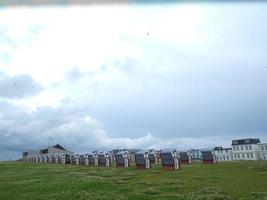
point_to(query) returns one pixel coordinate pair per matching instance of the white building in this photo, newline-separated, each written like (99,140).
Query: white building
(223,154)
(57,149)
(245,149)
(262,151)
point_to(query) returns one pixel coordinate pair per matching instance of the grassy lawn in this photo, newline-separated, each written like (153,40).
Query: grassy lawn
(236,180)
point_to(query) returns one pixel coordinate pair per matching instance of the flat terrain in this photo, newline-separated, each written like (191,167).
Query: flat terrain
(236,180)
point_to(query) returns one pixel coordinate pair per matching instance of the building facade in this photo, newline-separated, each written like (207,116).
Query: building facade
(57,149)
(262,147)
(245,149)
(54,149)
(29,152)
(223,154)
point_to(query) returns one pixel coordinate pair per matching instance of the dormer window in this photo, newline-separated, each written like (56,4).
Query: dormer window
(247,141)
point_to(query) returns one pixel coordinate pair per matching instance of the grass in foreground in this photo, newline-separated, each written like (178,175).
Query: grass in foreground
(237,180)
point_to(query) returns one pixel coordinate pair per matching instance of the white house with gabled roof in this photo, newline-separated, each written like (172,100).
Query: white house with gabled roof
(245,149)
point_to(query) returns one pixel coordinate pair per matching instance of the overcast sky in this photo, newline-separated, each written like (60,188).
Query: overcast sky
(132,76)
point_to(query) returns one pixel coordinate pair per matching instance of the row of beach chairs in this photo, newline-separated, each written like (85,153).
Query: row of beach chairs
(170,159)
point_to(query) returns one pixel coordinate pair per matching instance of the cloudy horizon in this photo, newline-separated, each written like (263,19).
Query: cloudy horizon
(132,76)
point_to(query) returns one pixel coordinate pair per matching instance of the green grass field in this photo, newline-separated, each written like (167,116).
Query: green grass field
(236,180)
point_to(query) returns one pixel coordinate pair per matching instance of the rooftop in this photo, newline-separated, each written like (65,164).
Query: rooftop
(221,148)
(246,141)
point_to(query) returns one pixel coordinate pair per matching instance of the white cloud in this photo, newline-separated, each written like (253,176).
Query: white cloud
(49,42)
(81,36)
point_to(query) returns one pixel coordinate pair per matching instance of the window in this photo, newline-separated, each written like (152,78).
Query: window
(262,148)
(250,147)
(235,155)
(226,151)
(243,155)
(247,155)
(227,157)
(251,154)
(237,148)
(247,141)
(238,155)
(246,147)
(223,157)
(241,147)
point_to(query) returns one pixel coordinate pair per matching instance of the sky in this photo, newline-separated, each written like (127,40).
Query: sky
(185,75)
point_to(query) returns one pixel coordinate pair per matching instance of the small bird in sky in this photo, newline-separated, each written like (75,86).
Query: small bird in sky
(147,33)
(15,83)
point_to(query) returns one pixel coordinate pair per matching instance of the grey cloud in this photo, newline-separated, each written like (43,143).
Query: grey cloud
(210,94)
(18,86)
(207,95)
(69,125)
(73,127)
(21,129)
(74,75)
(227,102)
